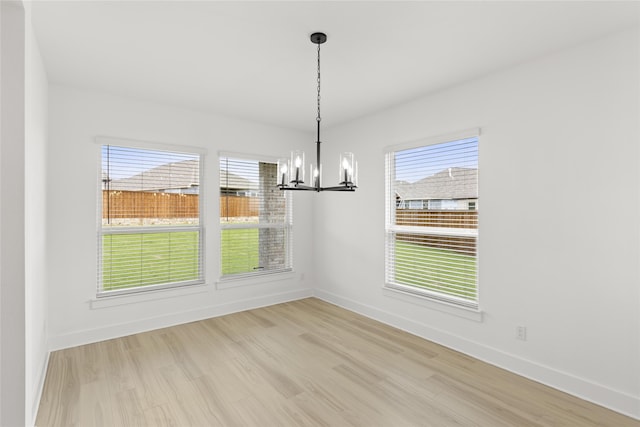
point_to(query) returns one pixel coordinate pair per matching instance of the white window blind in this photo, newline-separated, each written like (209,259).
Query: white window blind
(255,219)
(150,233)
(432,221)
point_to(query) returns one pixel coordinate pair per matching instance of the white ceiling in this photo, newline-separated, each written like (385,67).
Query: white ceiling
(254,60)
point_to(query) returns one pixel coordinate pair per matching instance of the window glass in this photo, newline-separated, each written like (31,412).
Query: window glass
(432,221)
(255,219)
(150,232)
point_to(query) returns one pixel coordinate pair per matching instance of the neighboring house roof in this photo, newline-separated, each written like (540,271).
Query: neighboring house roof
(451,183)
(184,174)
(236,182)
(178,175)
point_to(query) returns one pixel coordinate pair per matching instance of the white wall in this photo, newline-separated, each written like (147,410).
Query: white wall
(76,117)
(12,214)
(559,237)
(35,183)
(23,211)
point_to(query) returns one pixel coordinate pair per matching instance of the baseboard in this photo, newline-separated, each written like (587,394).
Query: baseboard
(35,404)
(88,336)
(584,389)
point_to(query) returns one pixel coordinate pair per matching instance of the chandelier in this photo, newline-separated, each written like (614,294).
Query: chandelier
(291,171)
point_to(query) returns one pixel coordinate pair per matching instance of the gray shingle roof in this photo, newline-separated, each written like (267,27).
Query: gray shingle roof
(170,176)
(236,182)
(452,183)
(178,175)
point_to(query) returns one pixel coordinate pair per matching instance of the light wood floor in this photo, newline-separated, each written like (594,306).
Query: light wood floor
(300,363)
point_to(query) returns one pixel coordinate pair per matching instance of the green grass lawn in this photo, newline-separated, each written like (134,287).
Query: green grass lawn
(436,269)
(239,249)
(173,257)
(131,260)
(170,257)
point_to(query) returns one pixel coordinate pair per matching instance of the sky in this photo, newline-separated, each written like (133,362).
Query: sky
(124,162)
(417,163)
(411,165)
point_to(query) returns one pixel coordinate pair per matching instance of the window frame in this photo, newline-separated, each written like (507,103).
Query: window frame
(102,294)
(258,276)
(433,299)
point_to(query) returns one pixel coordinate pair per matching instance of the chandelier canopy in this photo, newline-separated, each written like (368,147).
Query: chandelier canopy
(291,171)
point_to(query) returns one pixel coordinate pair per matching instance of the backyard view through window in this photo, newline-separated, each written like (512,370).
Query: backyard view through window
(432,221)
(255,219)
(150,233)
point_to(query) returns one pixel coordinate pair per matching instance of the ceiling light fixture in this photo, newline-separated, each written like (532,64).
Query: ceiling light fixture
(291,172)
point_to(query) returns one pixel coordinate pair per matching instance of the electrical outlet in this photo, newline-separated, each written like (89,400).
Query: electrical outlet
(521,333)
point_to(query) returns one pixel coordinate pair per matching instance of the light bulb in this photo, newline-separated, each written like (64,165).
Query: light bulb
(298,162)
(345,163)
(283,168)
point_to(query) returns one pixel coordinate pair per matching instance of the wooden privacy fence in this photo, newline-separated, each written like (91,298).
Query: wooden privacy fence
(426,218)
(238,206)
(446,219)
(146,204)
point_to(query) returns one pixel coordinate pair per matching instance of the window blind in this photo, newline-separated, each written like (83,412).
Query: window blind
(255,219)
(432,221)
(150,232)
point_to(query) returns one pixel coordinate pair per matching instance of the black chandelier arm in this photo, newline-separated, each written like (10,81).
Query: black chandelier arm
(297,187)
(340,188)
(348,187)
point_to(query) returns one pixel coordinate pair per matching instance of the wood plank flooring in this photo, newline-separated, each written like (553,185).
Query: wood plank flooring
(303,363)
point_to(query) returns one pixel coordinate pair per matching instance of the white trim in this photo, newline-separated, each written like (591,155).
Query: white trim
(155,229)
(37,397)
(251,279)
(434,231)
(146,293)
(437,139)
(433,304)
(149,145)
(118,330)
(615,400)
(246,226)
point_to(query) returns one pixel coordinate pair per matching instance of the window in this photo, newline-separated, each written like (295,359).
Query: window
(150,233)
(255,219)
(431,249)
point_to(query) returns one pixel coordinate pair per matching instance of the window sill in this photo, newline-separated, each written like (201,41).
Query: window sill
(144,296)
(424,301)
(234,282)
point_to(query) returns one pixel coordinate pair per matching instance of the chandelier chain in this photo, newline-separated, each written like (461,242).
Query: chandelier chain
(318,117)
